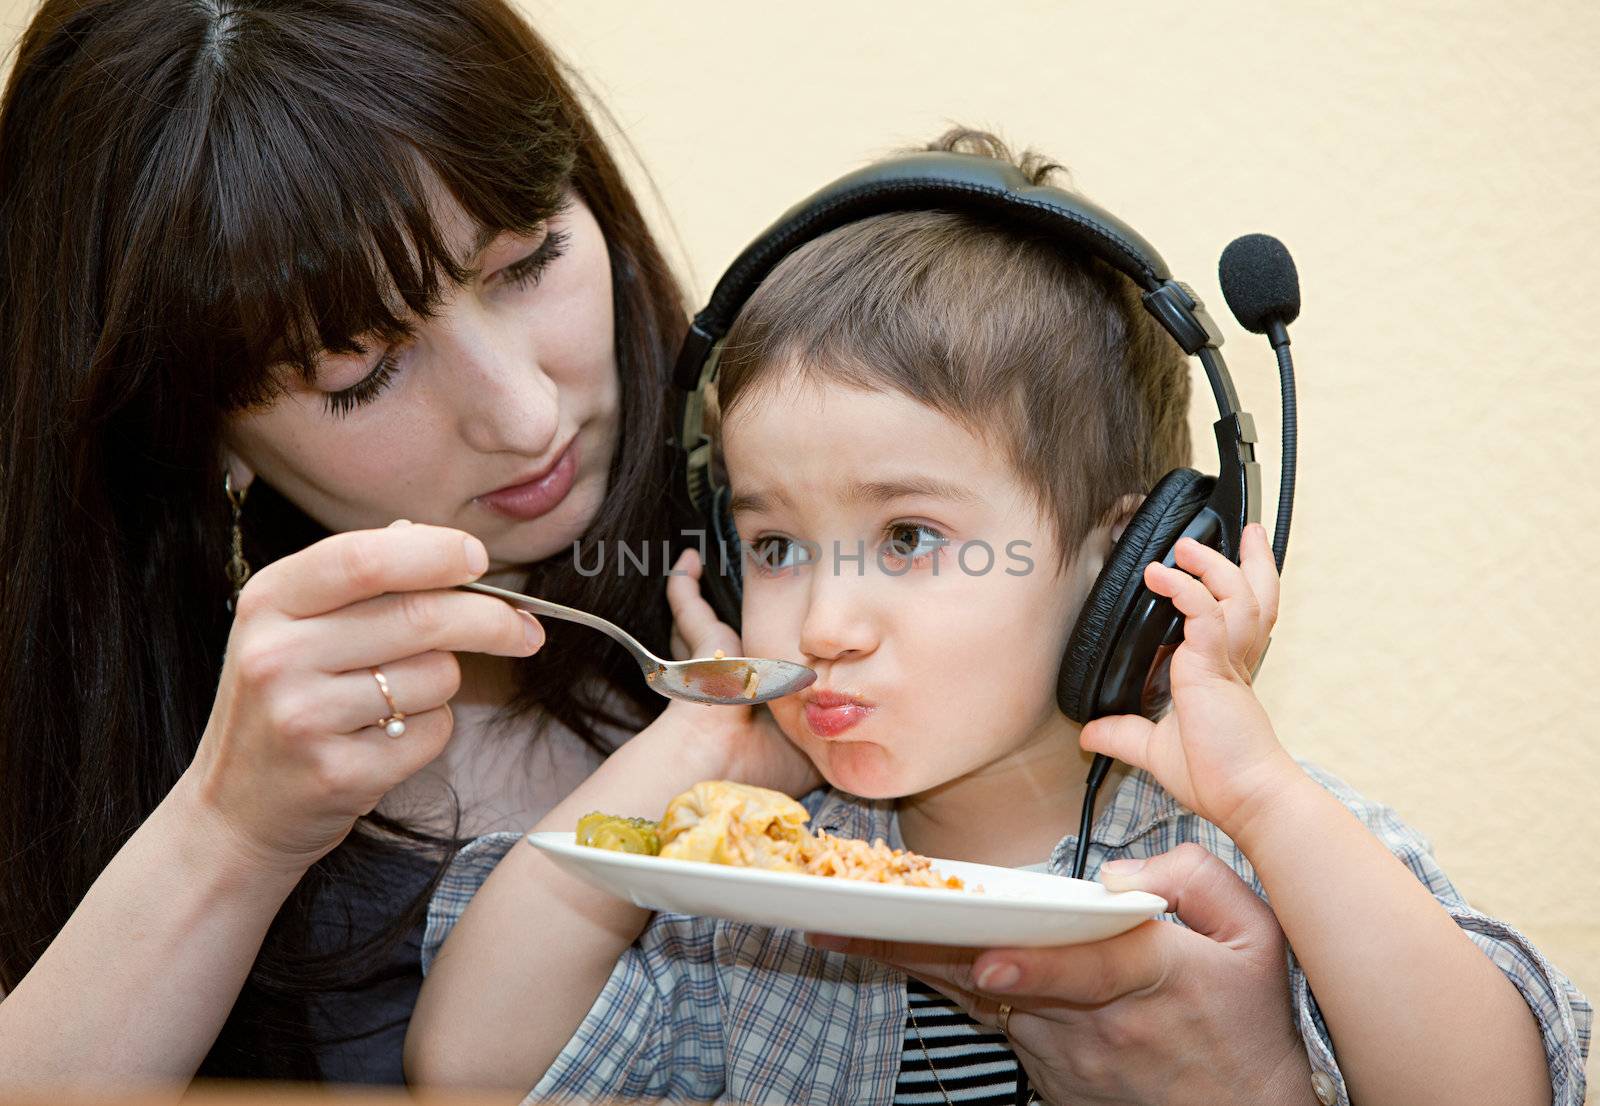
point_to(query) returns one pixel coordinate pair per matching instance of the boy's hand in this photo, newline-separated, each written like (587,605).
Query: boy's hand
(1215,751)
(754,749)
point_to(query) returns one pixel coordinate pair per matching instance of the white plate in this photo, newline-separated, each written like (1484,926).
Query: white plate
(1015,909)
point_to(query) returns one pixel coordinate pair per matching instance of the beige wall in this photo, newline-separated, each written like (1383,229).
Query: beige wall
(1433,166)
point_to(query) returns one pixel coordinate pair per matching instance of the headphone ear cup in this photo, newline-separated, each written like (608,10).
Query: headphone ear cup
(1154,529)
(722,582)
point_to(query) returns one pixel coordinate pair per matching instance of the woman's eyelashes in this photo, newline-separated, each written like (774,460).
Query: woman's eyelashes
(526,272)
(523,273)
(902,545)
(366,389)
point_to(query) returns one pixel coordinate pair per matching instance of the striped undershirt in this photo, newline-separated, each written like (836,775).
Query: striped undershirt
(973,1063)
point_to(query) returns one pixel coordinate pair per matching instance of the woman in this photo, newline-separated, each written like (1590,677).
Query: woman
(366,260)
(272,271)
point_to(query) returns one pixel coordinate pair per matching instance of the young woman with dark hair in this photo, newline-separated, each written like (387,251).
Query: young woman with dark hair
(273,275)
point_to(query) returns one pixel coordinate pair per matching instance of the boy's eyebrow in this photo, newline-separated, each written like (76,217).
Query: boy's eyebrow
(756,501)
(931,487)
(866,491)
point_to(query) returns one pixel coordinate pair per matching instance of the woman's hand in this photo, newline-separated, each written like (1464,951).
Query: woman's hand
(1215,751)
(1160,1014)
(754,748)
(293,753)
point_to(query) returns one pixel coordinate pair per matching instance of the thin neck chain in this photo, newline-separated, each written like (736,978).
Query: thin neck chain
(926,1055)
(911,1011)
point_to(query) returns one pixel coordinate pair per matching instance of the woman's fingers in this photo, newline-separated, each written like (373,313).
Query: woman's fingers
(347,568)
(352,701)
(1092,974)
(363,766)
(1205,893)
(1089,974)
(408,623)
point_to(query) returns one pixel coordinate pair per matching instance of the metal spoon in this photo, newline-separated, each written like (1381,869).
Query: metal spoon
(726,681)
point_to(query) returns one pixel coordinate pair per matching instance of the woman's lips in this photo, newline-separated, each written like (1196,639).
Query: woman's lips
(829,714)
(540,494)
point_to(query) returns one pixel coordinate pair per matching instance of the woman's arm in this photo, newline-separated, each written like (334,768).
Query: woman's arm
(135,987)
(141,978)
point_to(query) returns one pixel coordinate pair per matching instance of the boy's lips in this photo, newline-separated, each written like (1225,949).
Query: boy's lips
(829,713)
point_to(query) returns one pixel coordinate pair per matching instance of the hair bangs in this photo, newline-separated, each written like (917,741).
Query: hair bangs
(335,180)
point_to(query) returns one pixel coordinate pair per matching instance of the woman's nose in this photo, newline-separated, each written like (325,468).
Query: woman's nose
(506,401)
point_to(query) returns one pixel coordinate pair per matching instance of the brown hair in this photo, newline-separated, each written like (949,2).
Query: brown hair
(1039,347)
(190,192)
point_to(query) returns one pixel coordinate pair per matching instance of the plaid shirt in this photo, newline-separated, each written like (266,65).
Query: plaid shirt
(704,1009)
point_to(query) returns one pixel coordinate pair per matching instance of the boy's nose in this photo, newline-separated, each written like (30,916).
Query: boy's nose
(838,621)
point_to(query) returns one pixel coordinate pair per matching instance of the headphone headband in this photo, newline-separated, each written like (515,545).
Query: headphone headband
(971,184)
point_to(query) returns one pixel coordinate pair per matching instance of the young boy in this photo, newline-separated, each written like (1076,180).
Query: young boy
(900,396)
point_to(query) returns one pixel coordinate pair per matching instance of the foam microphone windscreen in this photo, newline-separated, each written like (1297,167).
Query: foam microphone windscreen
(1259,282)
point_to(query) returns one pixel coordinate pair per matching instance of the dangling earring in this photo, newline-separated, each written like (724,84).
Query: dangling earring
(238,567)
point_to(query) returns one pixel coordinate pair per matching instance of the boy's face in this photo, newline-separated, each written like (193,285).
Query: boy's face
(933,662)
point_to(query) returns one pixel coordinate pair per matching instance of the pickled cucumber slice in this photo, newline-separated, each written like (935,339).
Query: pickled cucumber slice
(620,835)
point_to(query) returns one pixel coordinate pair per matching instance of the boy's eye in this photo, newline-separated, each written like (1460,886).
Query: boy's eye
(775,553)
(912,541)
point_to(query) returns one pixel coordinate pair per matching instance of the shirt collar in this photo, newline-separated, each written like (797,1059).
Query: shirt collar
(1138,804)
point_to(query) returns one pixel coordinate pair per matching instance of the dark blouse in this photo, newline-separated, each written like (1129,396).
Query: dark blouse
(360,1033)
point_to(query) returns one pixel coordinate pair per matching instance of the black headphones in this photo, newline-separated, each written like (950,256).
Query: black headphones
(1117,657)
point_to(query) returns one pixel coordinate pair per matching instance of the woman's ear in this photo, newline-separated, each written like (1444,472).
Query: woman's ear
(238,471)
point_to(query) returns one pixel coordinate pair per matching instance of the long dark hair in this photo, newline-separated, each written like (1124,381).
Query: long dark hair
(191,192)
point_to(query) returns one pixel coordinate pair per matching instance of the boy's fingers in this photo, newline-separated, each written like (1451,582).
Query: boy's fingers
(1188,594)
(1234,586)
(1125,737)
(1262,571)
(694,623)
(1225,579)
(1205,628)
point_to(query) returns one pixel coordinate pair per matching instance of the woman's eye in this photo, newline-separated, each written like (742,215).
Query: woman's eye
(526,273)
(774,553)
(912,541)
(366,389)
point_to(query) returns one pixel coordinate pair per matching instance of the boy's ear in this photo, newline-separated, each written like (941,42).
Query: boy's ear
(1122,514)
(1096,550)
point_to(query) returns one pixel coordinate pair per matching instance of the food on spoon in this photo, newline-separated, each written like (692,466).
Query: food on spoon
(722,678)
(721,822)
